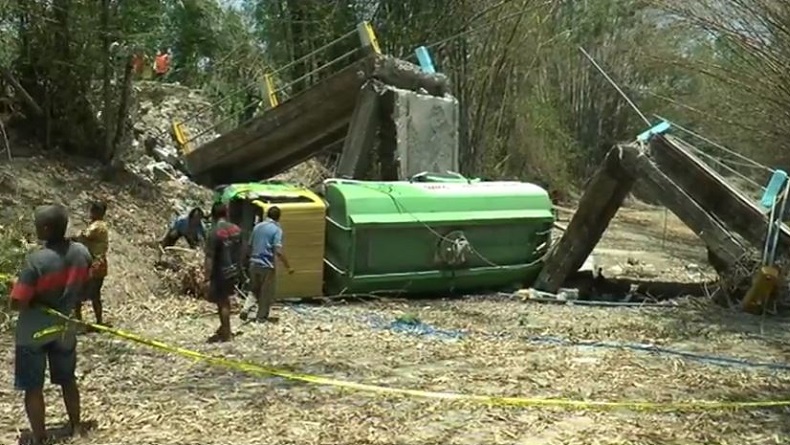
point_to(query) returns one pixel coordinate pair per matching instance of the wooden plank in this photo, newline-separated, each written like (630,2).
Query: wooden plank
(362,133)
(719,240)
(734,209)
(604,194)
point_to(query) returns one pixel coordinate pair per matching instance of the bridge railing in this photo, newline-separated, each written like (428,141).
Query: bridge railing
(277,91)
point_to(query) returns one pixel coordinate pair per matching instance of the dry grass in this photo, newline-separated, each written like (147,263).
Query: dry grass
(169,399)
(181,272)
(142,396)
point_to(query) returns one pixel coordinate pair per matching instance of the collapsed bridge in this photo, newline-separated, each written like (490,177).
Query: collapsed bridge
(732,225)
(374,101)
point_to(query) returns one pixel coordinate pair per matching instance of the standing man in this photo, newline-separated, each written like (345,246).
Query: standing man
(189,227)
(53,277)
(96,238)
(222,267)
(266,243)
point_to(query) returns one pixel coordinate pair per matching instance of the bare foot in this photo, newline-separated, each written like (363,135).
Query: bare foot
(218,338)
(81,429)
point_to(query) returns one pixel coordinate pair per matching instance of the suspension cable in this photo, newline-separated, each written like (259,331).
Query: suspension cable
(729,151)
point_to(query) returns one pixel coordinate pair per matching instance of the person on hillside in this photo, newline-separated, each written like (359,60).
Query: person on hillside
(190,227)
(266,243)
(222,267)
(138,62)
(53,277)
(162,64)
(96,238)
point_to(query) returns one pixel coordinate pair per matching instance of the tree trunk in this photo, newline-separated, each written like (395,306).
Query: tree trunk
(106,84)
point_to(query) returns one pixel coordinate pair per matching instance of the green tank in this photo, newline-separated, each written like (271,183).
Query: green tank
(442,177)
(434,236)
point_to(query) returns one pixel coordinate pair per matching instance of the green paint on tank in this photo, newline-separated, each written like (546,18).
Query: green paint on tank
(253,190)
(434,236)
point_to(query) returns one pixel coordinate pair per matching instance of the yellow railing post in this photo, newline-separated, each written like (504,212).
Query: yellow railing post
(270,90)
(368,37)
(181,138)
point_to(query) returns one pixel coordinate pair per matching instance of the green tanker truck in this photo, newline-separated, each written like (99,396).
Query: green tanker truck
(433,234)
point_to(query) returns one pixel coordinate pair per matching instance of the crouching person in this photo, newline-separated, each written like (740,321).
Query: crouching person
(189,227)
(53,277)
(222,267)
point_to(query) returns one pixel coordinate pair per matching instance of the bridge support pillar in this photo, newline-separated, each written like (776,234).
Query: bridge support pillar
(424,134)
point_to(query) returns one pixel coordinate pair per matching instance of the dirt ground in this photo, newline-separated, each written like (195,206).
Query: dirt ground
(480,345)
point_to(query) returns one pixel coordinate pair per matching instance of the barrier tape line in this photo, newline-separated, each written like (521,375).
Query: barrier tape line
(253,368)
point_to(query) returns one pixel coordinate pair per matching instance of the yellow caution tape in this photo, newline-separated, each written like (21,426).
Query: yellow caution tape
(49,331)
(238,365)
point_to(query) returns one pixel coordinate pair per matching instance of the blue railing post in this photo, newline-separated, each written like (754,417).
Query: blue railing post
(426,63)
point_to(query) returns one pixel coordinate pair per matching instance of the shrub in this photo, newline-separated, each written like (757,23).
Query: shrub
(13,248)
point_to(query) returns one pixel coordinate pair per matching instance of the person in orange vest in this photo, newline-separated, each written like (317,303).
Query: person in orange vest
(162,63)
(138,62)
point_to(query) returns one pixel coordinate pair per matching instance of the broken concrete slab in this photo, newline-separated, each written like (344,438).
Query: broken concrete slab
(602,197)
(426,132)
(362,132)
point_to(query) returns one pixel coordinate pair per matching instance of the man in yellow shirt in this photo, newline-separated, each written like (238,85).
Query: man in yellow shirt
(96,238)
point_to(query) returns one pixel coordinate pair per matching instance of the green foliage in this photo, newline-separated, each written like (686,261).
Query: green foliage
(12,254)
(532,106)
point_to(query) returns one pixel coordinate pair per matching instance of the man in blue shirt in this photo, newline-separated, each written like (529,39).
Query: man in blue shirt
(266,243)
(190,227)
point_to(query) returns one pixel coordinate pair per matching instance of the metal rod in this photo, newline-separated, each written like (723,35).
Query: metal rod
(326,65)
(778,223)
(616,87)
(727,167)
(314,52)
(288,65)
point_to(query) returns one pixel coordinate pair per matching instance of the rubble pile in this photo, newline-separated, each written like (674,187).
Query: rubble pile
(157,105)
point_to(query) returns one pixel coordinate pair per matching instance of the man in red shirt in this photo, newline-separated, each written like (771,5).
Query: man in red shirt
(222,267)
(53,277)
